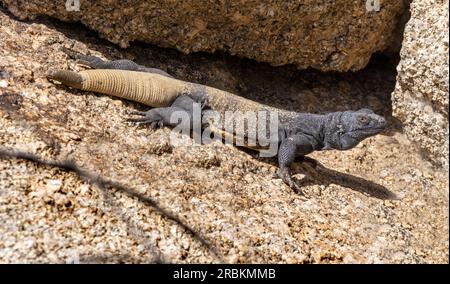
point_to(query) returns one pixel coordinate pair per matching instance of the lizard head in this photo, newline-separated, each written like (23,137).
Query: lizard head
(354,126)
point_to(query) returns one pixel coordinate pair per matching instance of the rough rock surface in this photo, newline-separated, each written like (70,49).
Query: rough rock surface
(336,35)
(420,99)
(225,194)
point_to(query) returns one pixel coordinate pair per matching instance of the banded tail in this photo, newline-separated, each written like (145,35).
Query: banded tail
(150,89)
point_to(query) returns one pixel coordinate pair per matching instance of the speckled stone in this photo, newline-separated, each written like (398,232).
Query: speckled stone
(225,194)
(420,99)
(336,35)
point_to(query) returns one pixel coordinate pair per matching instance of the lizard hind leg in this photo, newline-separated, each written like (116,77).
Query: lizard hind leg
(91,61)
(159,117)
(156,117)
(121,64)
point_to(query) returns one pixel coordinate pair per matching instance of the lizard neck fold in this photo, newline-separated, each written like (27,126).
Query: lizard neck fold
(332,130)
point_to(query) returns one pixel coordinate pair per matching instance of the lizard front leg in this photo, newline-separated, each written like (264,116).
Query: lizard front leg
(290,147)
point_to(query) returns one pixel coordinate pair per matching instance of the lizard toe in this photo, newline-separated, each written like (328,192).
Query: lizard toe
(156,124)
(136,119)
(286,177)
(136,112)
(297,189)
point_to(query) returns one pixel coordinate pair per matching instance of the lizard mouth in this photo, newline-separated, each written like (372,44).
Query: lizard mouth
(368,131)
(374,129)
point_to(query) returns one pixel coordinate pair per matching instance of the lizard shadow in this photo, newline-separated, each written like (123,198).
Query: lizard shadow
(316,173)
(364,186)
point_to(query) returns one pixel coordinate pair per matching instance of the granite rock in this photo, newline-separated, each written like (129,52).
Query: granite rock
(225,194)
(420,99)
(336,35)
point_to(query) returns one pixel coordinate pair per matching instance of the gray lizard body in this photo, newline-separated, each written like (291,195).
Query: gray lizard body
(298,134)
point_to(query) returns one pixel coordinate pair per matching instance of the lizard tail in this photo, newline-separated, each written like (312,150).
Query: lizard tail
(66,77)
(148,88)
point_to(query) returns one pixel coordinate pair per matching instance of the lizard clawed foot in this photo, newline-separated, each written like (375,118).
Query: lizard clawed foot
(286,177)
(146,117)
(154,124)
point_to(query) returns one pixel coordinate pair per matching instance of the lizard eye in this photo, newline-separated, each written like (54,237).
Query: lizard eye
(364,120)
